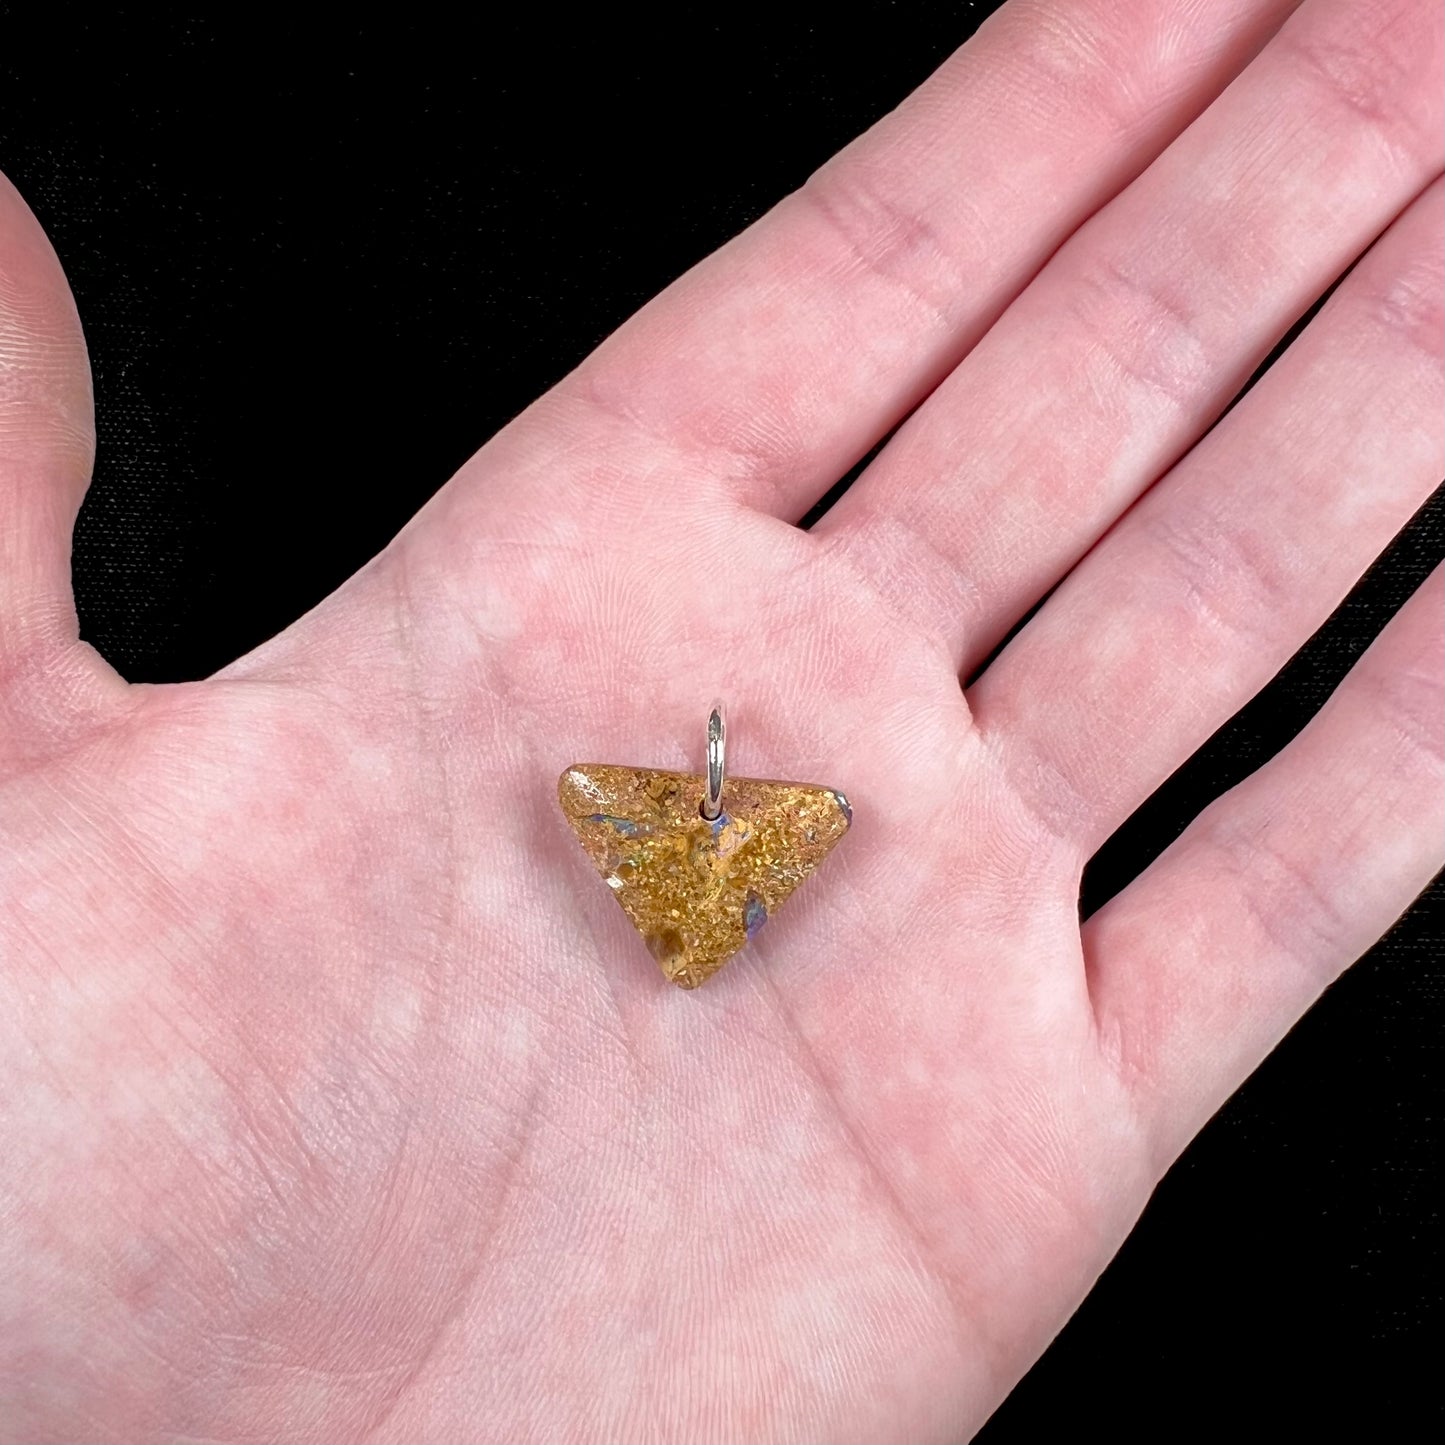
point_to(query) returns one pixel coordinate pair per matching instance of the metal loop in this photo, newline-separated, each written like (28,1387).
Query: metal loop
(716,750)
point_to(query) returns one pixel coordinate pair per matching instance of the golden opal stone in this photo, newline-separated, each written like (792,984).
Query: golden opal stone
(697,890)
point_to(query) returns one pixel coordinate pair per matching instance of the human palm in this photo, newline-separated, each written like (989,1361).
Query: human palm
(339,1099)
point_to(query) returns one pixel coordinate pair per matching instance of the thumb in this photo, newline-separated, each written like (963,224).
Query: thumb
(47,445)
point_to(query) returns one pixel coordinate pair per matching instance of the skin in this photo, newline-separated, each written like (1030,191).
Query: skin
(340,1101)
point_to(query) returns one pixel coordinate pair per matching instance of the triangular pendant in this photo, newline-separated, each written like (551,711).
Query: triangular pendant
(698,890)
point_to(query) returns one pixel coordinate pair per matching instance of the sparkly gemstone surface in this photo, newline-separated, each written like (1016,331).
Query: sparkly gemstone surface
(698,890)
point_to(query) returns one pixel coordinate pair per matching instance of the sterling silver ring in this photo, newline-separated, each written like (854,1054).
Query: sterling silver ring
(716,751)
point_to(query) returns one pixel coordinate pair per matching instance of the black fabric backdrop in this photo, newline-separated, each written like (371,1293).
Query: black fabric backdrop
(317,268)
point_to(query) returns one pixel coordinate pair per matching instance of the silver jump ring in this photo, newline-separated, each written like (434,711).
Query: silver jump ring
(716,749)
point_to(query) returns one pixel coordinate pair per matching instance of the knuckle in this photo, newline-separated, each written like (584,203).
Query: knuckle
(886,237)
(1378,66)
(1074,54)
(753,438)
(1144,327)
(1060,810)
(1280,897)
(1229,579)
(1411,306)
(910,568)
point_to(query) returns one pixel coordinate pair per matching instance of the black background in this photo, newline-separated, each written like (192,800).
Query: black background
(317,268)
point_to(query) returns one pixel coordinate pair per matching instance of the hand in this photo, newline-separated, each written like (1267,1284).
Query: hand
(339,1099)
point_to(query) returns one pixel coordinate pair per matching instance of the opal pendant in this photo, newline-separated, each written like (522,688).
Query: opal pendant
(699,863)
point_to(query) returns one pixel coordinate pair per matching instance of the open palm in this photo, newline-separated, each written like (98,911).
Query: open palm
(339,1100)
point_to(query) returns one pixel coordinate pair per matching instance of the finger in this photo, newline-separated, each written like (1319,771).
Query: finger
(46,443)
(776,363)
(1150,319)
(1204,590)
(1200,966)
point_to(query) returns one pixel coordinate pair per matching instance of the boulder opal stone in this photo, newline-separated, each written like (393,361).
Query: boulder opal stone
(698,890)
